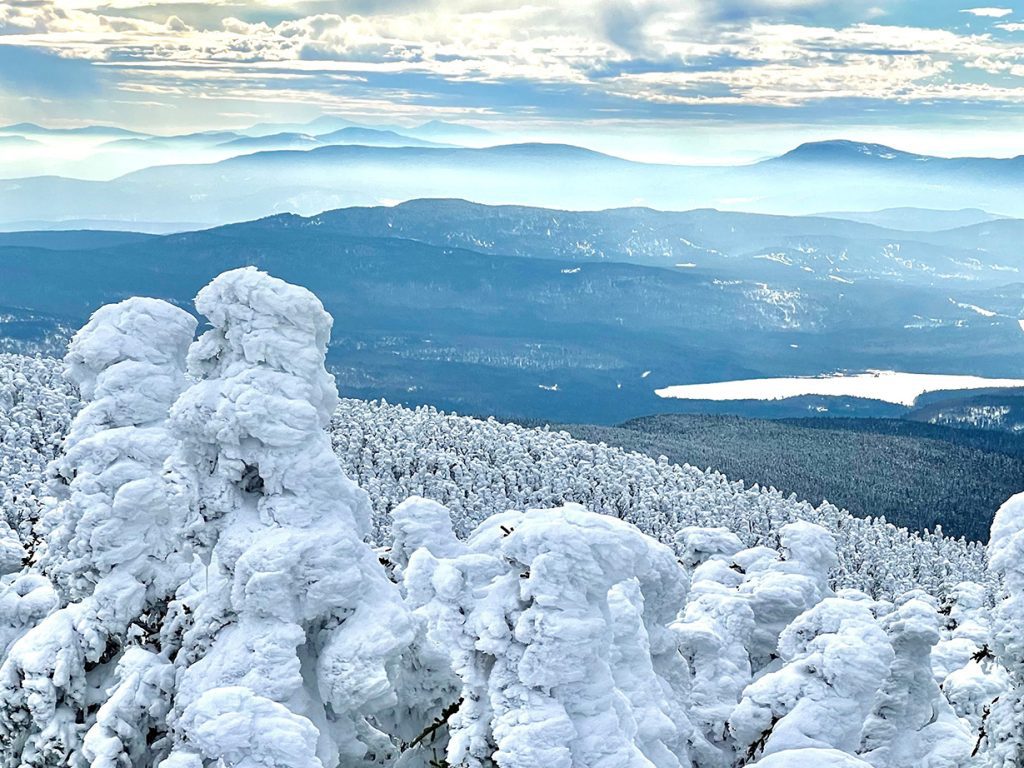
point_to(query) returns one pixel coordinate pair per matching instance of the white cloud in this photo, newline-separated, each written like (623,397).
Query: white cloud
(710,52)
(992,13)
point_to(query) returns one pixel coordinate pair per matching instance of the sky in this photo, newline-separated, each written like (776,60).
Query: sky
(697,80)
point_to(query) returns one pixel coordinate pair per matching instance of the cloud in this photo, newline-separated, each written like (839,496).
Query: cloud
(27,16)
(37,72)
(992,13)
(542,59)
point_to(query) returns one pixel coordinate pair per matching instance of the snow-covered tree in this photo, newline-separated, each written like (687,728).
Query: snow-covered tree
(556,622)
(112,540)
(715,633)
(427,688)
(25,600)
(782,585)
(965,667)
(36,407)
(833,660)
(294,629)
(911,723)
(1002,732)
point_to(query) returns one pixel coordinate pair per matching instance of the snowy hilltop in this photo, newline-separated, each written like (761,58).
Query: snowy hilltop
(208,560)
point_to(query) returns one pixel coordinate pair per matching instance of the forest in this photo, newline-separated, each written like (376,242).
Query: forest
(914,474)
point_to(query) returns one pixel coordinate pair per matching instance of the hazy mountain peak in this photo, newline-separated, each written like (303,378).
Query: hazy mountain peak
(85,130)
(846,150)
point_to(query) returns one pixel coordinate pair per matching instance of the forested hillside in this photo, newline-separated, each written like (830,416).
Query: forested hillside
(572,317)
(210,560)
(915,475)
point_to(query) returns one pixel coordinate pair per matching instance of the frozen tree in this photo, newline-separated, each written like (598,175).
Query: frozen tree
(294,628)
(781,586)
(1003,730)
(12,554)
(911,723)
(715,631)
(135,709)
(833,660)
(556,624)
(419,523)
(427,688)
(965,667)
(36,407)
(25,600)
(111,548)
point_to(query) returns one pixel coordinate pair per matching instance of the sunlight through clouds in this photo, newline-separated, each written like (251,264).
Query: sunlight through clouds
(737,61)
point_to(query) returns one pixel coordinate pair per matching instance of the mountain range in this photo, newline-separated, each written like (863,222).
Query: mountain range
(103,153)
(551,314)
(824,176)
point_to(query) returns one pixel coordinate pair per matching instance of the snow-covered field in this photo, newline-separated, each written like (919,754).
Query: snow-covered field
(890,386)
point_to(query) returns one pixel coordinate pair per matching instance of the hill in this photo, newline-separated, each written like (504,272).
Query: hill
(543,313)
(911,474)
(917,219)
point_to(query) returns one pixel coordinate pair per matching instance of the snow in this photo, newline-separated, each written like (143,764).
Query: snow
(889,386)
(974,308)
(556,623)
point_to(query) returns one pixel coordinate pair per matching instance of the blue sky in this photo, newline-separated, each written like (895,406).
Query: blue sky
(706,78)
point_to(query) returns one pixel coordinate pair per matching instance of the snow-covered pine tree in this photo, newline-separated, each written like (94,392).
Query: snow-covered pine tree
(782,585)
(911,723)
(556,622)
(112,539)
(1002,731)
(291,633)
(37,405)
(427,688)
(965,667)
(715,632)
(833,660)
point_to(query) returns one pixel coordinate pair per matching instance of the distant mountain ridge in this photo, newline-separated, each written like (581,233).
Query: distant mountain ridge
(827,175)
(85,130)
(909,219)
(745,245)
(555,314)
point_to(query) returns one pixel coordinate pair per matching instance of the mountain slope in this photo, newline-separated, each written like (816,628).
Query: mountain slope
(545,337)
(917,219)
(910,479)
(742,244)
